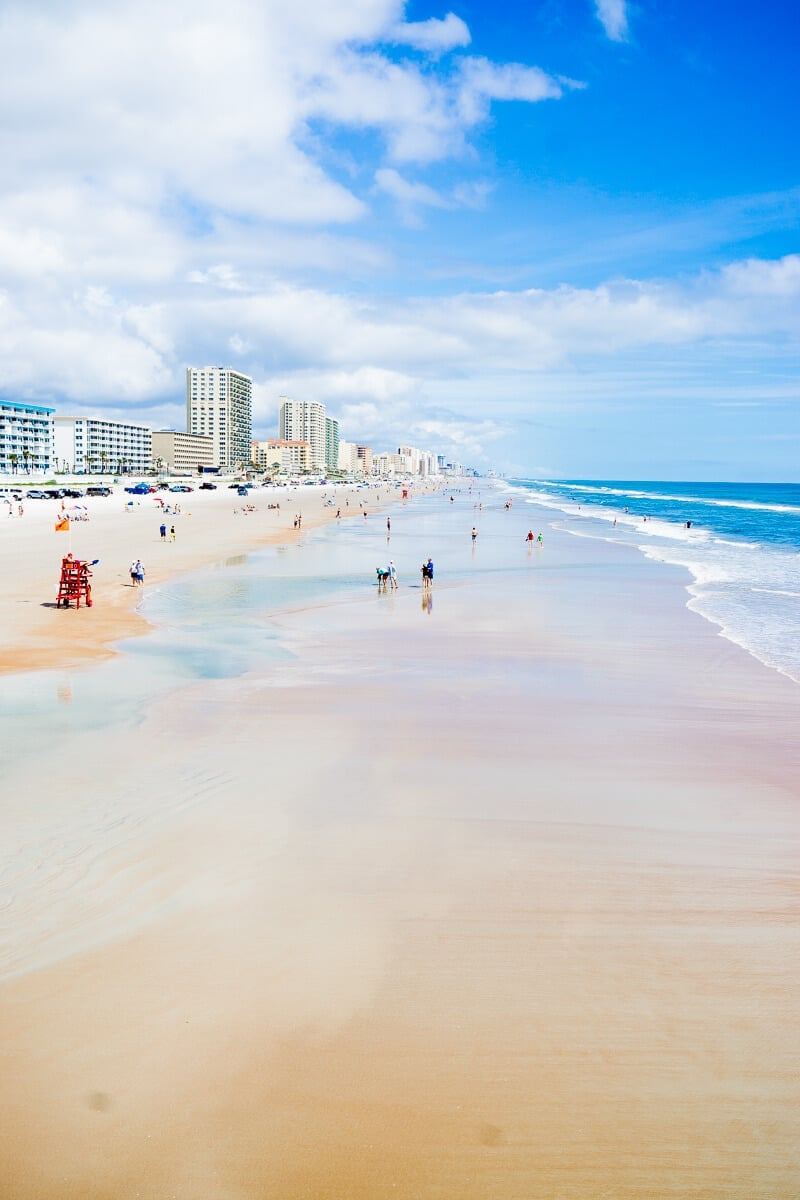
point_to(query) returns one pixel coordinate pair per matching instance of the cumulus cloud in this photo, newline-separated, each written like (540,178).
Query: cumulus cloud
(613,16)
(370,350)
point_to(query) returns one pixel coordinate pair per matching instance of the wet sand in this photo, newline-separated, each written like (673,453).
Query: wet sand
(497,900)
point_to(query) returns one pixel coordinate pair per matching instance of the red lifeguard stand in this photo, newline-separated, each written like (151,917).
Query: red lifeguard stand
(74,583)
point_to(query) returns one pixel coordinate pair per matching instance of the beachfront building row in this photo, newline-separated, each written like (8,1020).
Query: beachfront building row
(219,405)
(407,461)
(86,444)
(289,457)
(26,437)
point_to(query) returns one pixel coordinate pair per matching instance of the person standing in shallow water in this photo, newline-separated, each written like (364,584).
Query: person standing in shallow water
(474,535)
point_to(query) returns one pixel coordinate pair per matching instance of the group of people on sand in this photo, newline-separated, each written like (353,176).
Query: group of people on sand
(137,573)
(387,575)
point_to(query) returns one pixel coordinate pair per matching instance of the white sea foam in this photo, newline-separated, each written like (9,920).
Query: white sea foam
(638,494)
(748,589)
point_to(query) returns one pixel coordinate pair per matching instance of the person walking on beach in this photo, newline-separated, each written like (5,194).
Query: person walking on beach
(392,575)
(388,526)
(139,573)
(429,565)
(133,574)
(474,535)
(172,533)
(529,538)
(163,532)
(540,540)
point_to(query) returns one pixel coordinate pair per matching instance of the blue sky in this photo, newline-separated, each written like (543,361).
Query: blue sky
(558,238)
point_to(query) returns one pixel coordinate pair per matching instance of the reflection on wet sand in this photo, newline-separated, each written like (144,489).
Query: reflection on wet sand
(501,905)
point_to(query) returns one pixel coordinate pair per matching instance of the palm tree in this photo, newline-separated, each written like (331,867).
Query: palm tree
(14,460)
(26,455)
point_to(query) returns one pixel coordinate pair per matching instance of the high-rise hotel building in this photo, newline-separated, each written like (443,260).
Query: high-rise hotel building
(219,406)
(304,421)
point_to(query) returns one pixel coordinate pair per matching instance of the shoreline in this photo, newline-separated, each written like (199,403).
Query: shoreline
(740,577)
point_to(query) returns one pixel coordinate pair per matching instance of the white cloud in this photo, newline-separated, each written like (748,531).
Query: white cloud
(409,196)
(176,181)
(483,81)
(433,35)
(613,16)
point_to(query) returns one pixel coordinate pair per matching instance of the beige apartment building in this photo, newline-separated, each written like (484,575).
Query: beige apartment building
(182,452)
(291,455)
(305,420)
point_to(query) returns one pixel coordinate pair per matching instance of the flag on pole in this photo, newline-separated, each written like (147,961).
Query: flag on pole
(62,525)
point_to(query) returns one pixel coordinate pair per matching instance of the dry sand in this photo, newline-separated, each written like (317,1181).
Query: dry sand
(496,902)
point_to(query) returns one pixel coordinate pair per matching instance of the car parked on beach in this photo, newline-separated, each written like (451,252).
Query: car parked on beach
(140,489)
(98,490)
(72,493)
(208,487)
(36,494)
(181,487)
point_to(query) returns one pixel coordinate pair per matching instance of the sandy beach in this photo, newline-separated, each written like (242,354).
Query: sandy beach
(487,893)
(209,525)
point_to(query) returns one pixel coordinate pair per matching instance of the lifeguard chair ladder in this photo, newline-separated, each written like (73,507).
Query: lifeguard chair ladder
(74,583)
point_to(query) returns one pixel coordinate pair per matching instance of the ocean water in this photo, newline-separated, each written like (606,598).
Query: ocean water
(740,543)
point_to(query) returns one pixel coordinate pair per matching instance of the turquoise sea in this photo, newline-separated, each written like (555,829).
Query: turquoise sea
(740,543)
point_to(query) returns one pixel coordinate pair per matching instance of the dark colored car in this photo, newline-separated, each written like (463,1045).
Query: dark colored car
(140,489)
(208,487)
(98,491)
(72,493)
